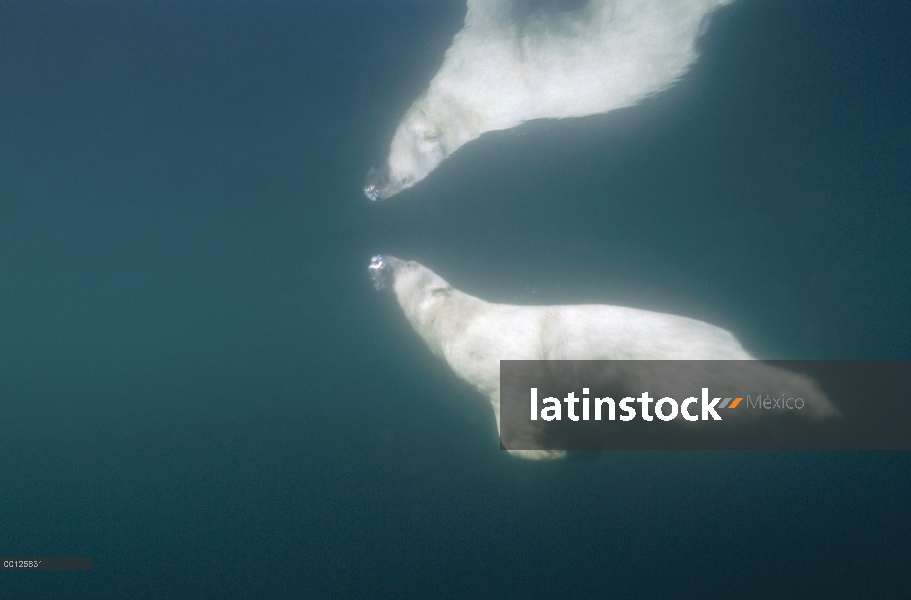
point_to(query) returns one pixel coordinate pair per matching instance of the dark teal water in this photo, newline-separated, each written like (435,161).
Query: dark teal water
(200,390)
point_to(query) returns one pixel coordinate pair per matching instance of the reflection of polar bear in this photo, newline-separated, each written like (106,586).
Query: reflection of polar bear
(473,335)
(516,60)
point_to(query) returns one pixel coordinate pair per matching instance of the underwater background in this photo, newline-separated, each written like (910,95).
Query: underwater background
(201,390)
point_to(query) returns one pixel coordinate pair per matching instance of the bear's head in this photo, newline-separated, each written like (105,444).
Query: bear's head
(420,291)
(416,150)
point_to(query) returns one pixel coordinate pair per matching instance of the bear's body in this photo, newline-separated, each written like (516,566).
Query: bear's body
(505,67)
(473,336)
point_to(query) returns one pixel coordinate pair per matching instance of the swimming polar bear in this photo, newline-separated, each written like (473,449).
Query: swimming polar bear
(517,60)
(473,336)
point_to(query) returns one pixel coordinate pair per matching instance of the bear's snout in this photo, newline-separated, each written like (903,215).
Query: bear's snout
(380,271)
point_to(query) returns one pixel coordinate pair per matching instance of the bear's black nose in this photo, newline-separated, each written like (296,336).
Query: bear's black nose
(375,187)
(380,271)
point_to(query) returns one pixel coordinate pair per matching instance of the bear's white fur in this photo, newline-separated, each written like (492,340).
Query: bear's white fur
(504,68)
(473,336)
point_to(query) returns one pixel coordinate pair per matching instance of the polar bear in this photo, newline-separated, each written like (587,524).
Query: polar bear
(473,336)
(517,60)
